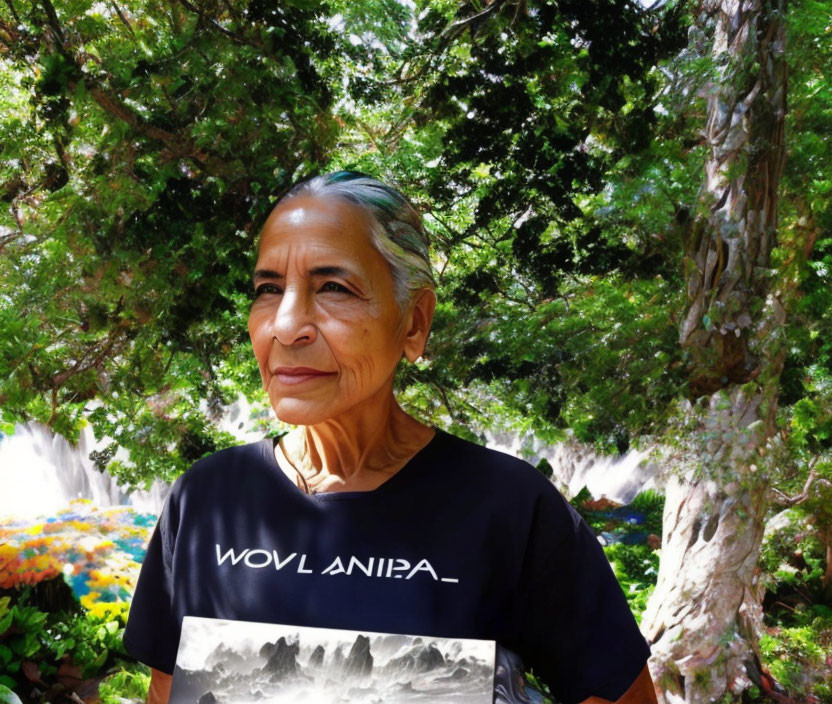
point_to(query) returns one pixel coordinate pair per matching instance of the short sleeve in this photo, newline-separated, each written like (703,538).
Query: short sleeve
(152,632)
(578,633)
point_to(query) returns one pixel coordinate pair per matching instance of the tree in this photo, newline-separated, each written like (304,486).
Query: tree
(704,617)
(533,104)
(147,141)
(142,144)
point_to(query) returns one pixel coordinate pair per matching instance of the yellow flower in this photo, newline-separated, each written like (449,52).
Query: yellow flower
(88,601)
(106,610)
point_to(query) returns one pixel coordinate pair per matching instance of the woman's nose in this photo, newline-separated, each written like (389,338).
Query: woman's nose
(293,319)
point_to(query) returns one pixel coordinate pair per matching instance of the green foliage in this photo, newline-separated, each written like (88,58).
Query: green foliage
(797,655)
(145,145)
(646,508)
(540,687)
(798,637)
(20,629)
(7,696)
(636,567)
(28,634)
(89,640)
(130,682)
(650,503)
(791,545)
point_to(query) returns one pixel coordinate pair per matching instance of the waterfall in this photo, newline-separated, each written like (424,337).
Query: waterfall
(41,472)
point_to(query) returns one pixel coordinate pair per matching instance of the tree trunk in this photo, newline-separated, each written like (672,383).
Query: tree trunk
(703,619)
(826,581)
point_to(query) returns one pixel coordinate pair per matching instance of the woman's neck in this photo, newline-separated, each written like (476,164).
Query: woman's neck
(358,450)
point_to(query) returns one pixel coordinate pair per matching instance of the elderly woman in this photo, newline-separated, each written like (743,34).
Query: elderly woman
(468,542)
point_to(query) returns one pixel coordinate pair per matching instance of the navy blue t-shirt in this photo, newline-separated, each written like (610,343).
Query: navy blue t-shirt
(463,542)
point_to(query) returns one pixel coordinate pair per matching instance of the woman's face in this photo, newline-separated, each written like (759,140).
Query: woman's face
(325,327)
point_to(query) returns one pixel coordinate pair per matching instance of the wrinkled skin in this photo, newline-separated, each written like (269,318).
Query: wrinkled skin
(324,300)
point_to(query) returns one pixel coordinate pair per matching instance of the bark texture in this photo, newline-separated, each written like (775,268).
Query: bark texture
(704,617)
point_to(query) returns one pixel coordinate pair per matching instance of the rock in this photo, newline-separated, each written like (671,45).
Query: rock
(317,657)
(459,674)
(359,662)
(229,659)
(386,646)
(419,658)
(430,658)
(266,650)
(190,685)
(283,660)
(338,658)
(208,698)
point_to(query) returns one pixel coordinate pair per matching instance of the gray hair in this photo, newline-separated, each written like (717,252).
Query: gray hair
(397,231)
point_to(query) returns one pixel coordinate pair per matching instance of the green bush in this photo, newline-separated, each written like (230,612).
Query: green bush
(790,544)
(796,654)
(89,641)
(130,682)
(20,629)
(651,504)
(636,568)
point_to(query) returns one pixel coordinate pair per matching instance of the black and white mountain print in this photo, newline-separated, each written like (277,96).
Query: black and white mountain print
(241,662)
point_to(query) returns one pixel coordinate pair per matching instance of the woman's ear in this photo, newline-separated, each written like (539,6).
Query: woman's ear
(419,319)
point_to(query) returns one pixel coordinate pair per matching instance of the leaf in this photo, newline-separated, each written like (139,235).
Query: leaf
(29,618)
(6,681)
(69,670)
(31,671)
(111,626)
(31,645)
(6,622)
(93,667)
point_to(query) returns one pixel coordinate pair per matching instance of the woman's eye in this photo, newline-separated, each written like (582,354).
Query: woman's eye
(266,288)
(336,287)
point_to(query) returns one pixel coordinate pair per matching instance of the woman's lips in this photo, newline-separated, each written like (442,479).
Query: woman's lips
(297,375)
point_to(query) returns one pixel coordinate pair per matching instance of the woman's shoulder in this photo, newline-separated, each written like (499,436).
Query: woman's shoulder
(509,485)
(229,465)
(498,470)
(489,458)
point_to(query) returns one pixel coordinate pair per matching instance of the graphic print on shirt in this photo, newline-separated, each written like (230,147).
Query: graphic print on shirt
(383,567)
(222,660)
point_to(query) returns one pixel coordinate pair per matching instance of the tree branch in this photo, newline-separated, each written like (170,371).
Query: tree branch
(446,401)
(52,18)
(211,22)
(178,145)
(11,7)
(446,38)
(785,501)
(123,19)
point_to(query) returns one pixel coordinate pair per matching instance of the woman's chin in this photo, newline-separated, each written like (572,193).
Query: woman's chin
(297,413)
